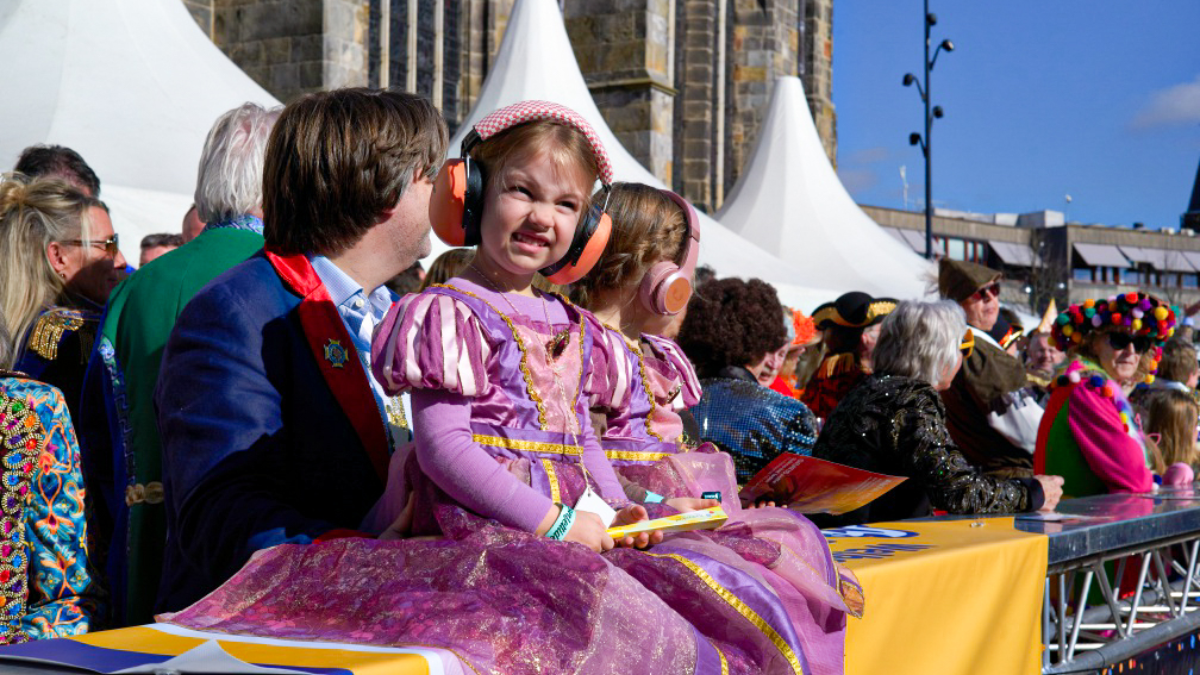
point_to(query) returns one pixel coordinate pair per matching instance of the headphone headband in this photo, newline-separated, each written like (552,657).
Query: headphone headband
(529,111)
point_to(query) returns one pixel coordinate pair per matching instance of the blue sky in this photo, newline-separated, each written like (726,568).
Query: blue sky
(1098,99)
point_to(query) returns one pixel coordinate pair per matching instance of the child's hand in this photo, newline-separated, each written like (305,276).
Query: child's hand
(399,529)
(685,504)
(632,514)
(590,531)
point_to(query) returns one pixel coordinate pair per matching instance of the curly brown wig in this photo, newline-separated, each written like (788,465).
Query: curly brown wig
(731,322)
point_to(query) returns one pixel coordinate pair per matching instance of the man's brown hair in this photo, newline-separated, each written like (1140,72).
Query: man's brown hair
(337,160)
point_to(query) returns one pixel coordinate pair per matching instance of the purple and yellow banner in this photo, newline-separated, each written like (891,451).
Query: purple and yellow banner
(961,596)
(155,646)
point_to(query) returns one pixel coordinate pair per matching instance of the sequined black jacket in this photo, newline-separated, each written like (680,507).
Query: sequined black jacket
(897,425)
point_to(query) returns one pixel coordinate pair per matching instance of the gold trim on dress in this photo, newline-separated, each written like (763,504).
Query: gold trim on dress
(724,663)
(552,477)
(637,351)
(527,446)
(636,456)
(741,608)
(537,400)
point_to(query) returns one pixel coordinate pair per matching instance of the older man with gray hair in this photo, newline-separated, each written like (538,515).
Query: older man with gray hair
(122,445)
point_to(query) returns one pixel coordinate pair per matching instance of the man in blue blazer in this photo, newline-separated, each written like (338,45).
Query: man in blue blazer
(273,430)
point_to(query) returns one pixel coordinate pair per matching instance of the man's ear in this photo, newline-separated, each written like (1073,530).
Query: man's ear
(56,253)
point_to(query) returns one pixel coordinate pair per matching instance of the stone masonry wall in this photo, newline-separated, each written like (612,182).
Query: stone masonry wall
(292,47)
(624,50)
(764,45)
(818,72)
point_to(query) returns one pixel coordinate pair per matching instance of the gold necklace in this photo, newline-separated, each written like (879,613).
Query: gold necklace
(556,345)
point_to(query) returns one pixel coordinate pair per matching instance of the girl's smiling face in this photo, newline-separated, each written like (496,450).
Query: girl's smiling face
(530,214)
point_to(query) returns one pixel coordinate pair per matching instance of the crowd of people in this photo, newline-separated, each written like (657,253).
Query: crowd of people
(281,413)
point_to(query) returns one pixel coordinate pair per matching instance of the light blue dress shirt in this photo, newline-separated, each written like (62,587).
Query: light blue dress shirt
(361,313)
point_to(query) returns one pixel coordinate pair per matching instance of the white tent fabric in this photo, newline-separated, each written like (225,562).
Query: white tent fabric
(132,85)
(535,61)
(789,199)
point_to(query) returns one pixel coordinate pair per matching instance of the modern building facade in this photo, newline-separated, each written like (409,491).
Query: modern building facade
(1043,257)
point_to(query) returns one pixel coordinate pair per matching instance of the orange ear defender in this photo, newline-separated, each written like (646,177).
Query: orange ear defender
(456,204)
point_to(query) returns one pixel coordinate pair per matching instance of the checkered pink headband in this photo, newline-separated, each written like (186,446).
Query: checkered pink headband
(529,111)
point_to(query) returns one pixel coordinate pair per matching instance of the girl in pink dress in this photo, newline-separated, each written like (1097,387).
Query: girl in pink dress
(641,382)
(506,473)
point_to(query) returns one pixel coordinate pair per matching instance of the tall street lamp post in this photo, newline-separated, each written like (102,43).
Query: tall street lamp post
(930,114)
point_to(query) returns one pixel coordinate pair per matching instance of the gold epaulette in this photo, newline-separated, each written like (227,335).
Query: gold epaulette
(50,327)
(1038,380)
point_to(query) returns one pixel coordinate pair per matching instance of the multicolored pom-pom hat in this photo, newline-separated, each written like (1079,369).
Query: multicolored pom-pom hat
(1135,312)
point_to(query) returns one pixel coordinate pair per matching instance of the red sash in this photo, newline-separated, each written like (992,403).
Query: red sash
(346,378)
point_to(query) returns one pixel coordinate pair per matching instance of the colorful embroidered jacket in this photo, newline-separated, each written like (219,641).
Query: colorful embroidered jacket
(1090,435)
(44,582)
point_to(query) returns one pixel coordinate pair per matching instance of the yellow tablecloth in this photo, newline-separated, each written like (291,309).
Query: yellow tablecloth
(945,597)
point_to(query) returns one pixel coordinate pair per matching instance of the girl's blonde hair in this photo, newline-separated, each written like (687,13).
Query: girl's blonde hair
(1173,416)
(569,151)
(647,227)
(34,213)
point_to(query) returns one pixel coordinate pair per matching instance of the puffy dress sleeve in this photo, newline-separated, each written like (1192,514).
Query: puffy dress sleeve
(689,383)
(610,371)
(430,340)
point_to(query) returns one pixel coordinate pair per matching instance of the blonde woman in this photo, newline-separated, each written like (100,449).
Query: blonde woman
(61,262)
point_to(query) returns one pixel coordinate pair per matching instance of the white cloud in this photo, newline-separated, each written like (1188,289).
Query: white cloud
(1174,106)
(857,181)
(867,156)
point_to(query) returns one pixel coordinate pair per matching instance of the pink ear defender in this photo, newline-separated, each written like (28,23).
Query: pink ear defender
(667,287)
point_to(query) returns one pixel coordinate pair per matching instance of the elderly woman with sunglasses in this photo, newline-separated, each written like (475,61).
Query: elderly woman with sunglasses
(1090,434)
(893,422)
(61,261)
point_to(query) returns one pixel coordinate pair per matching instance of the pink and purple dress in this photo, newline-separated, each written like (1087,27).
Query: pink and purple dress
(494,450)
(638,389)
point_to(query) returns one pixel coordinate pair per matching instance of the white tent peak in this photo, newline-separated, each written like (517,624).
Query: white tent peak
(132,85)
(536,62)
(789,199)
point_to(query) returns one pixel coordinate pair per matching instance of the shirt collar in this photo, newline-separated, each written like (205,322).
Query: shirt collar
(243,222)
(343,288)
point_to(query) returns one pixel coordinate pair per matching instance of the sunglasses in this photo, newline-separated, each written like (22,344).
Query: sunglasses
(1141,343)
(111,246)
(967,346)
(992,289)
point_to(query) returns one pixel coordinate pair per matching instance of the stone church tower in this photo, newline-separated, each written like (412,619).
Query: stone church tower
(684,84)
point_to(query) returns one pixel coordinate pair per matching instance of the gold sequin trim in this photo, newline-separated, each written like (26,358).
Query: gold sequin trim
(527,446)
(49,329)
(533,395)
(724,663)
(636,456)
(741,608)
(552,476)
(150,493)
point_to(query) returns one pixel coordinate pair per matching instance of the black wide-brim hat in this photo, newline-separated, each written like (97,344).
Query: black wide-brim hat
(853,310)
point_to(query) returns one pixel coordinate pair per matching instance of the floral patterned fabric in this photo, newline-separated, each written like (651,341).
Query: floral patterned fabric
(53,530)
